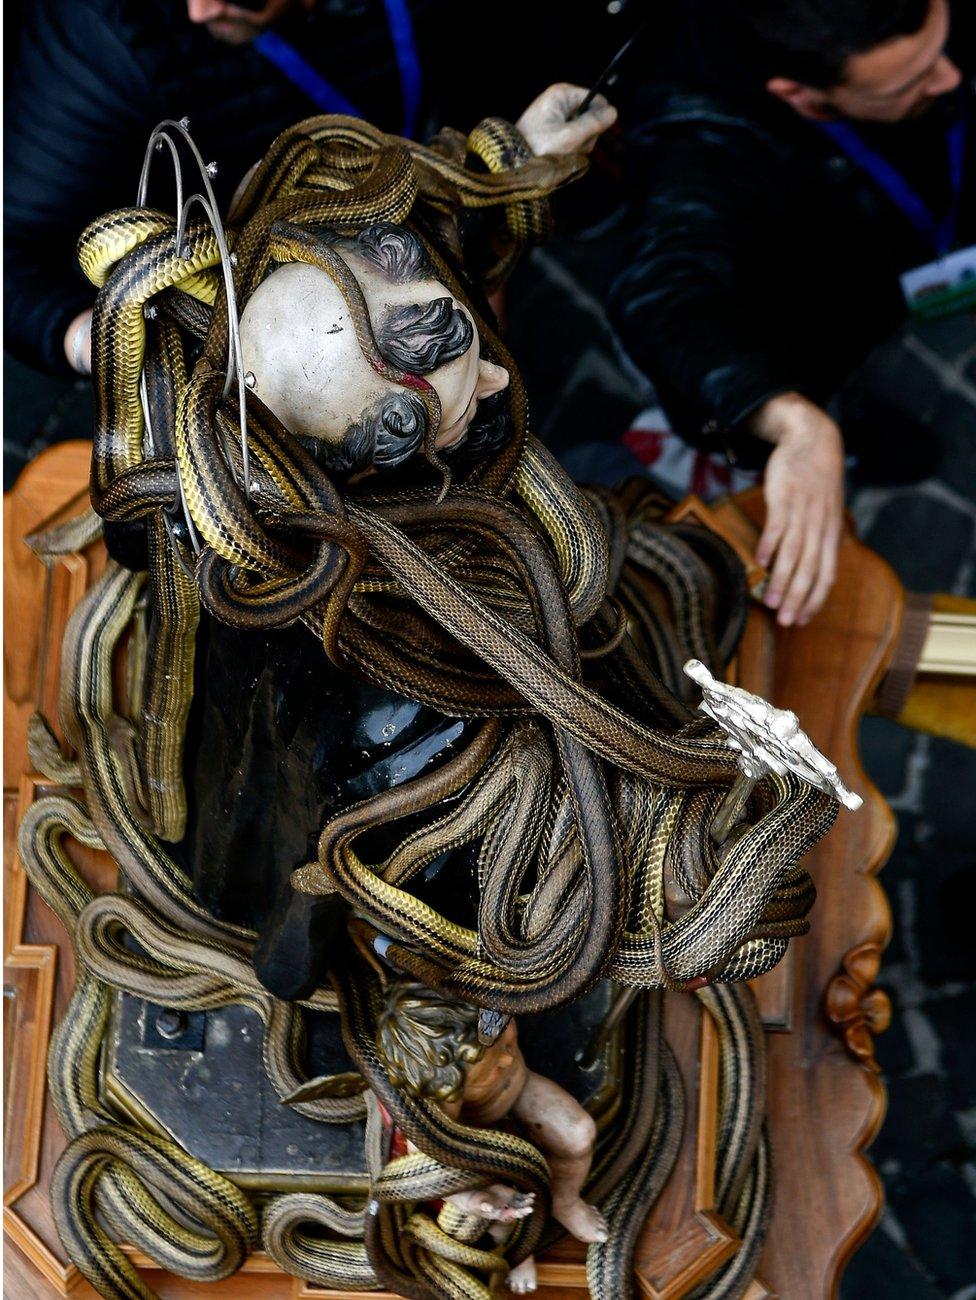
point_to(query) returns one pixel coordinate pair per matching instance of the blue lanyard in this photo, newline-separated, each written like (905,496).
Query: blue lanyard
(940,234)
(408,61)
(319,89)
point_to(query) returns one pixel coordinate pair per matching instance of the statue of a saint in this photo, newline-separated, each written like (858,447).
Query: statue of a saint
(403,701)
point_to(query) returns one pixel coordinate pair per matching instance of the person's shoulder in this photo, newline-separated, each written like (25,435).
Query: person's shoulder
(671,100)
(75,23)
(670,112)
(73,26)
(63,15)
(701,88)
(79,58)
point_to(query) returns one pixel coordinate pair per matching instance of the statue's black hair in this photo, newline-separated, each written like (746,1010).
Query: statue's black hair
(420,337)
(395,251)
(386,434)
(417,338)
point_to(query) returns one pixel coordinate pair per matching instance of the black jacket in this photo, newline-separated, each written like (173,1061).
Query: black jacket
(92,77)
(763,260)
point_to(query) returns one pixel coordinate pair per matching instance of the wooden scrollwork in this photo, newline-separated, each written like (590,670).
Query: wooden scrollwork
(858,1009)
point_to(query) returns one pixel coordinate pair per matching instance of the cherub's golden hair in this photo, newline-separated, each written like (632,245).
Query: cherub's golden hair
(427,1041)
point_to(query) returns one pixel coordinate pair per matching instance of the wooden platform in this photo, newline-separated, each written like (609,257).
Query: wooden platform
(826,1100)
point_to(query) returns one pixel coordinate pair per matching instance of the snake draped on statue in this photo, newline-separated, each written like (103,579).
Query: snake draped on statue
(402,702)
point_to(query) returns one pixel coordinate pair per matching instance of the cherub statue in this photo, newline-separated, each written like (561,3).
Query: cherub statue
(430,1049)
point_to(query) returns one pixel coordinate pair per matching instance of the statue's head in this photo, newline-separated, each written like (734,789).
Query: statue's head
(302,340)
(426,1041)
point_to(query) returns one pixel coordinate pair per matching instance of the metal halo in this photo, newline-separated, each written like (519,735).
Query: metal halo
(163,136)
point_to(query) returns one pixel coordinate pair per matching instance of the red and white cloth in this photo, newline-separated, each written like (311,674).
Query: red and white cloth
(679,468)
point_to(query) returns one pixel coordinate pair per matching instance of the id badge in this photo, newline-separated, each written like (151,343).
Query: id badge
(942,287)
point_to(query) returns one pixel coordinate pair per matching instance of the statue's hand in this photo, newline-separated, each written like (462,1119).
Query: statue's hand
(499,1203)
(546,122)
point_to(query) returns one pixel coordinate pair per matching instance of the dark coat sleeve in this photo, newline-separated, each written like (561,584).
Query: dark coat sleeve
(677,304)
(76,115)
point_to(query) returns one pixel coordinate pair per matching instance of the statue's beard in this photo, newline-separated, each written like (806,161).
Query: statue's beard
(490,429)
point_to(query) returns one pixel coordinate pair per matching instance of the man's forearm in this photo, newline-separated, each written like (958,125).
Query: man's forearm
(804,490)
(686,336)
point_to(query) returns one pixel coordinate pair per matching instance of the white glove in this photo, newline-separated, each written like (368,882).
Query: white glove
(546,122)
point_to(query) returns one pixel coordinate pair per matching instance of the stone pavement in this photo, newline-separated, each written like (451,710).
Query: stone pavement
(583,393)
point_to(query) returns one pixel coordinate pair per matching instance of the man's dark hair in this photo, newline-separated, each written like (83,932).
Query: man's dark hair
(811,40)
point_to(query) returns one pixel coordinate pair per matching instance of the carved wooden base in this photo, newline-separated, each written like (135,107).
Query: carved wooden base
(825,1099)
(825,1109)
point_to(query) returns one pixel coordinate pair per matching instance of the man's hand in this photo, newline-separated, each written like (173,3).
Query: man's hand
(77,343)
(548,130)
(804,489)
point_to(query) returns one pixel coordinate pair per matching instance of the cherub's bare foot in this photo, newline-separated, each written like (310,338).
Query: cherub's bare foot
(522,1278)
(585,1222)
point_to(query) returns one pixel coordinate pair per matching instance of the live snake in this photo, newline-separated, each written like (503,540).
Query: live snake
(506,596)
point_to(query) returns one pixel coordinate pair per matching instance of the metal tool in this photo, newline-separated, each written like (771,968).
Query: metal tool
(604,78)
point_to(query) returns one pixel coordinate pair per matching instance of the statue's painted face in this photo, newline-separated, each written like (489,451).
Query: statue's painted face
(299,342)
(461,385)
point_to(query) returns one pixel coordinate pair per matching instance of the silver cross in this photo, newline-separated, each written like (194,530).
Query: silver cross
(767,739)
